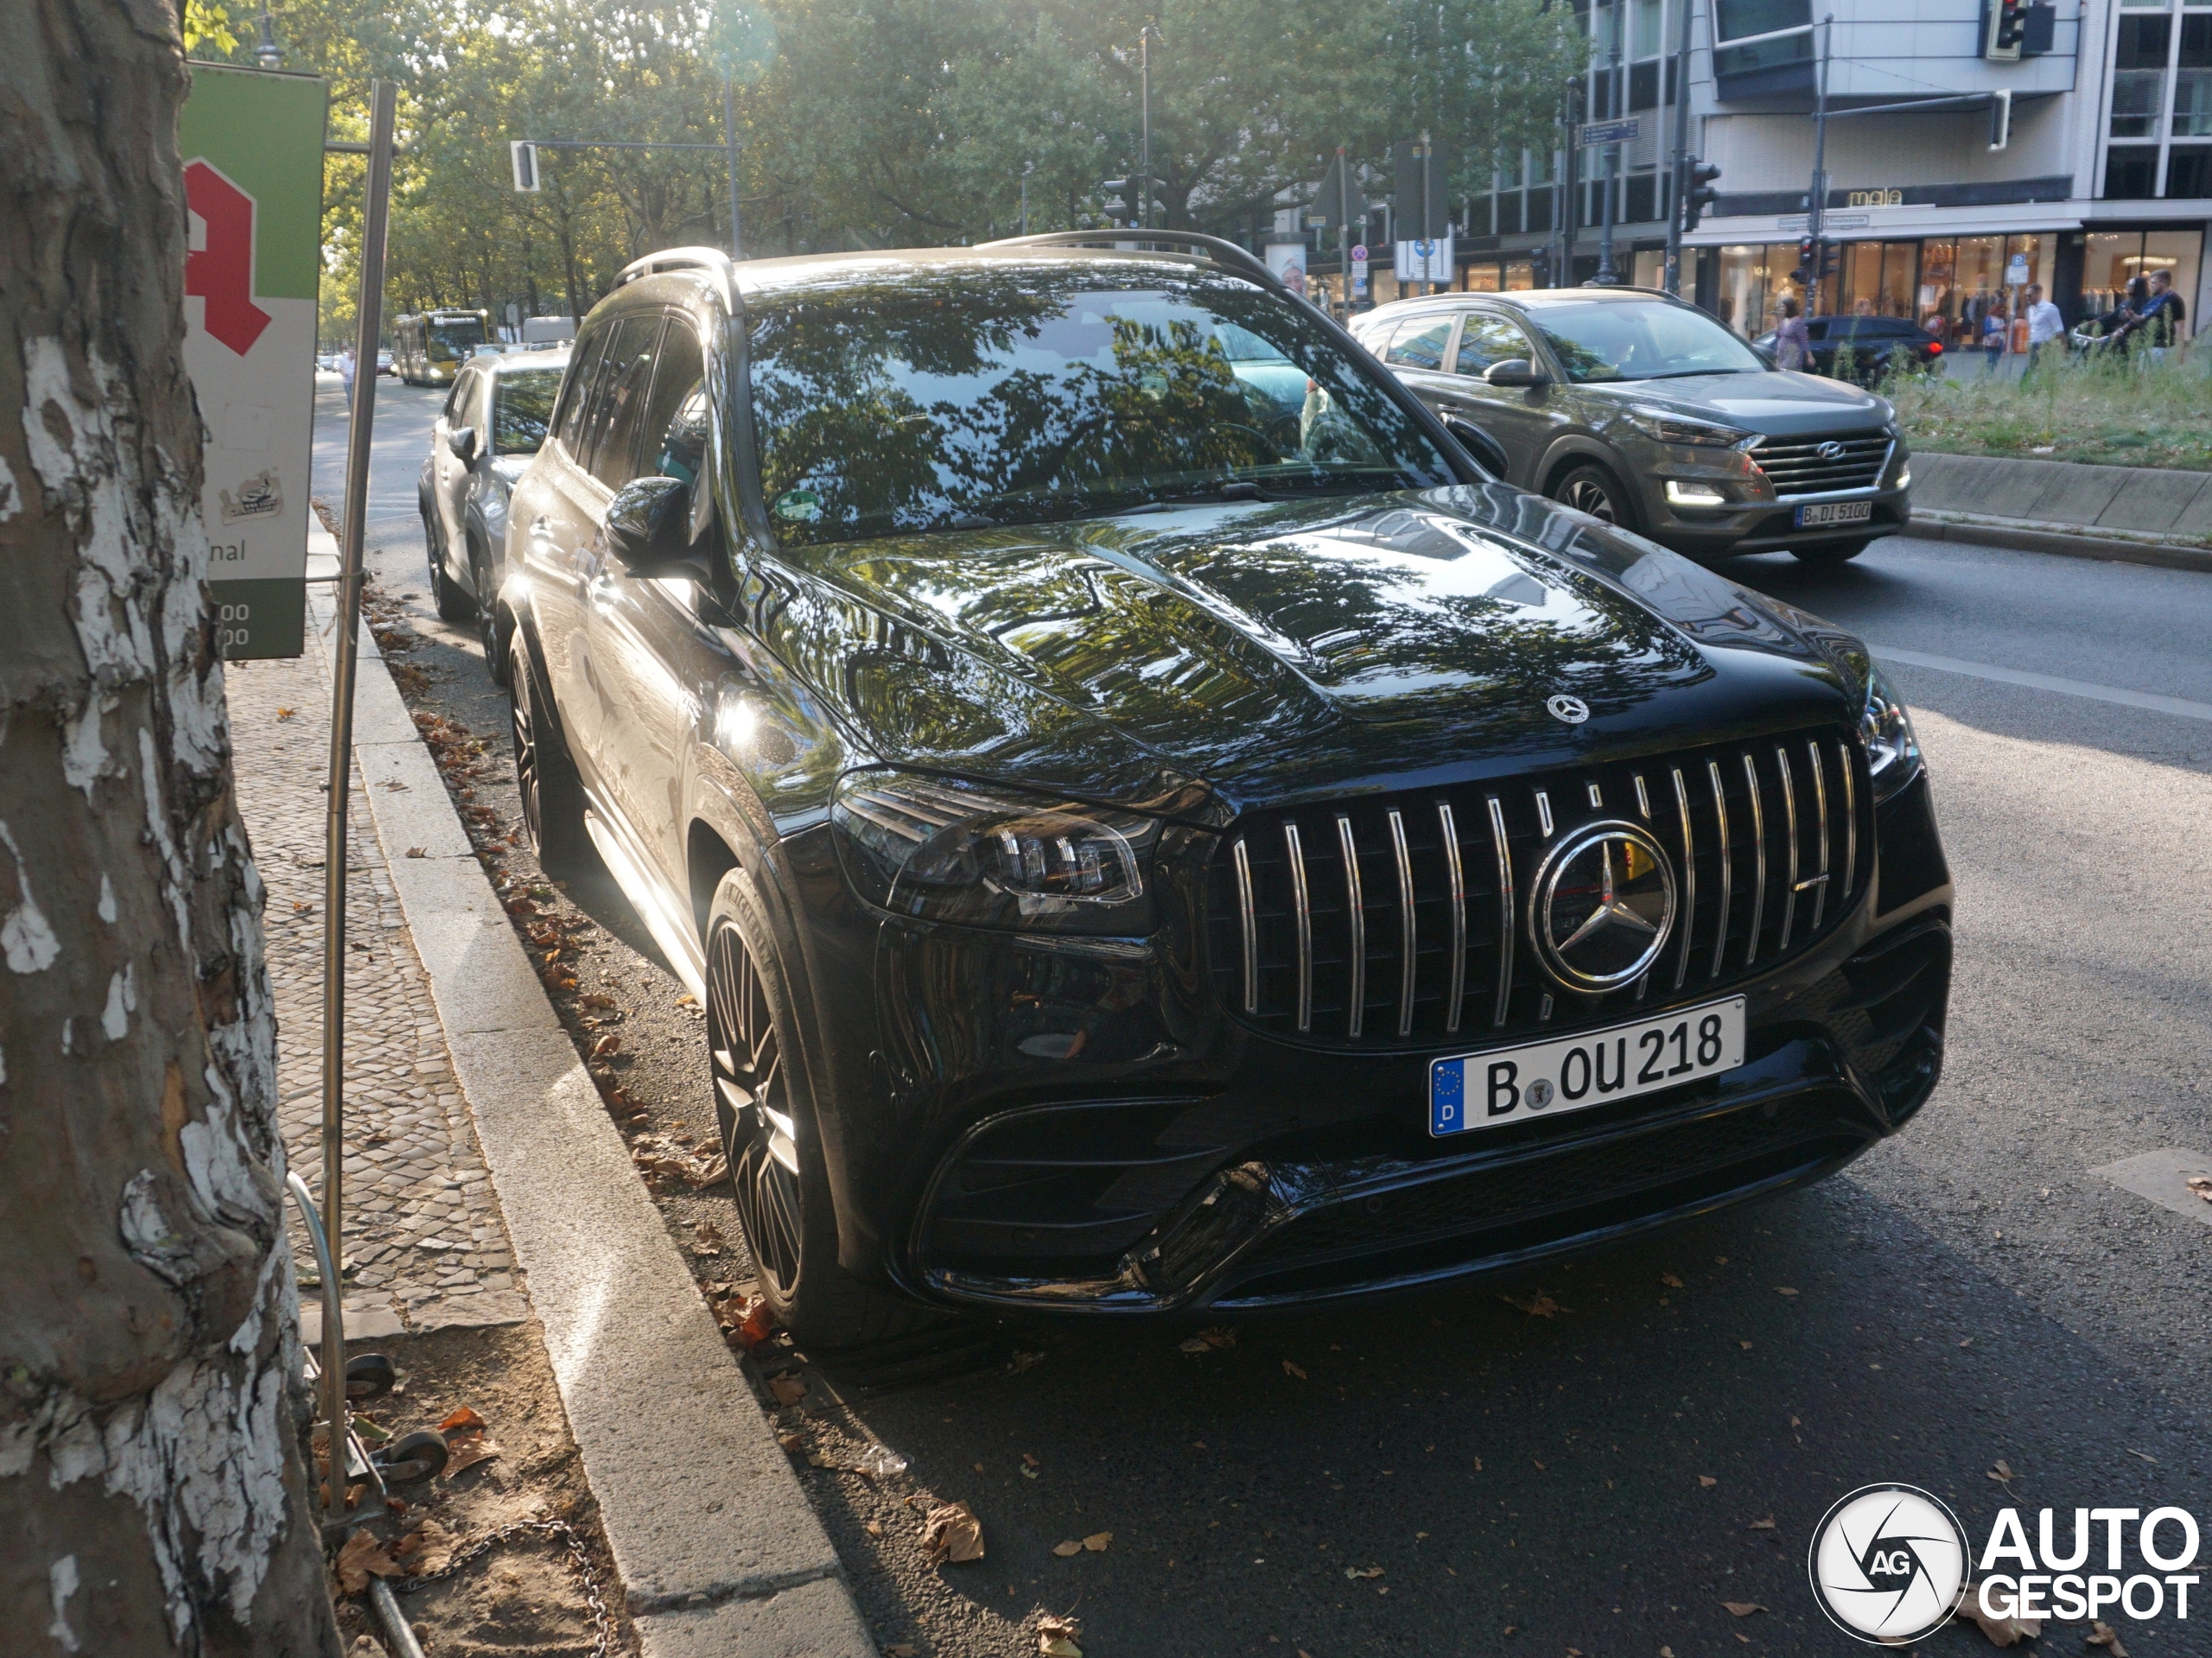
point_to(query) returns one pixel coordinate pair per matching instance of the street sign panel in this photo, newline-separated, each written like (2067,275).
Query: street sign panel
(1426,259)
(1414,163)
(253,143)
(1610,132)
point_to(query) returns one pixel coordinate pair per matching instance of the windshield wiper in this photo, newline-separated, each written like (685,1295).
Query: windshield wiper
(1692,374)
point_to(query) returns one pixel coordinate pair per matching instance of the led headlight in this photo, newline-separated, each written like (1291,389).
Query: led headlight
(1662,426)
(1892,751)
(949,850)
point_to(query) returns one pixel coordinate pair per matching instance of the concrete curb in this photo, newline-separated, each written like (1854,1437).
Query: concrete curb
(719,1550)
(2065,541)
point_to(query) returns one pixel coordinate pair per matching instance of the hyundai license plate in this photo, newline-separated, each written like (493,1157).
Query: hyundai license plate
(1821,514)
(1485,1090)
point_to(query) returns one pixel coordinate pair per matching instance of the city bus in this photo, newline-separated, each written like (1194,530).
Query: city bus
(429,349)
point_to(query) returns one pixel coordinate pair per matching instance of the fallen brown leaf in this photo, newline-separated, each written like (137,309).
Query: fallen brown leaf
(2001,1632)
(875,1528)
(789,1390)
(1766,1524)
(1784,1289)
(952,1532)
(1359,1572)
(1068,1550)
(1539,1305)
(463,1420)
(1056,1637)
(2103,1635)
(1670,1280)
(1030,1460)
(465,1451)
(706,1239)
(1742,1607)
(2201,1185)
(1097,1541)
(362,1557)
(791,1441)
(609,1044)
(418,852)
(1707,1481)
(1290,1369)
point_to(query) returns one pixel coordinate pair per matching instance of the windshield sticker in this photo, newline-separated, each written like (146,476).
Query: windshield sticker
(799,506)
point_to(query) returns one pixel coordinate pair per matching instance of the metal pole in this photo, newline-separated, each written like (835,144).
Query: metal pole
(1027,168)
(1427,235)
(1343,230)
(1681,156)
(375,216)
(1571,221)
(729,143)
(1144,80)
(1819,198)
(1606,275)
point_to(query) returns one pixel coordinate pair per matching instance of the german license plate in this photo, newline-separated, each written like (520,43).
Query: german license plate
(1820,514)
(1487,1090)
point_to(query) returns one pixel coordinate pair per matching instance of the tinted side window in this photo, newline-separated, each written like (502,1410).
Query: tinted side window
(619,400)
(524,410)
(1486,339)
(581,367)
(675,423)
(457,400)
(1420,343)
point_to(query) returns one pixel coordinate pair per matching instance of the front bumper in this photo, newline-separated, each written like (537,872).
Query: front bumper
(1752,517)
(1083,1133)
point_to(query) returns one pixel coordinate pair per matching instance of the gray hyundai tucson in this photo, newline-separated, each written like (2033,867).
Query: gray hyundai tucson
(1645,412)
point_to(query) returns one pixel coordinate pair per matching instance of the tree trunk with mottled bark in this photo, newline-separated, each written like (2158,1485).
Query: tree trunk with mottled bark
(152,1496)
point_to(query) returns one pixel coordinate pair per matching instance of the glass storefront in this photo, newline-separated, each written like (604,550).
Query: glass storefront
(2114,256)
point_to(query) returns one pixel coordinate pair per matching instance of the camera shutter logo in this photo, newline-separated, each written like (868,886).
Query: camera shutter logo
(1887,1563)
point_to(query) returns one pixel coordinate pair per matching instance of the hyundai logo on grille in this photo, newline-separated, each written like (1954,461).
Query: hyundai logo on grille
(1602,907)
(1830,450)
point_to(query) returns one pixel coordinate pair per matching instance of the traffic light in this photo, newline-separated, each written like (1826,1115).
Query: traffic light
(1701,194)
(1802,275)
(1831,256)
(2000,119)
(1119,199)
(525,157)
(2004,28)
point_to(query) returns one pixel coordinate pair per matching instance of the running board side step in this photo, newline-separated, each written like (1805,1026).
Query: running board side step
(671,930)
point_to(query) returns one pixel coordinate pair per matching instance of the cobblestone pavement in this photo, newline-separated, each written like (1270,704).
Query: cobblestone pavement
(424,1237)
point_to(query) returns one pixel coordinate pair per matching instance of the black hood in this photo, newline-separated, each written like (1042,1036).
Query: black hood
(1212,658)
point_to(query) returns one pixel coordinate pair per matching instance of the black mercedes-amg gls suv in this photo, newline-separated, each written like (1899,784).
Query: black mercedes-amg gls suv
(1156,827)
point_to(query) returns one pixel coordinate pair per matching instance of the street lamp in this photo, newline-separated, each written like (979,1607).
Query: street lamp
(1027,168)
(268,54)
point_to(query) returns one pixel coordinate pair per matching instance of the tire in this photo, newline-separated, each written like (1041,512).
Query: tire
(497,662)
(1591,488)
(1831,552)
(414,1458)
(766,1112)
(453,601)
(545,774)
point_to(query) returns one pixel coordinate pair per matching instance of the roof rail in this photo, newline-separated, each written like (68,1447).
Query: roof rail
(1220,249)
(710,259)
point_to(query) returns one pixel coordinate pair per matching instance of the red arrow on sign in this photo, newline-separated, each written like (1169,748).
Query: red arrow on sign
(221,271)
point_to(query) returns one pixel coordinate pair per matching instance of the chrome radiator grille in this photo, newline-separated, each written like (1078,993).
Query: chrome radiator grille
(1813,466)
(1401,920)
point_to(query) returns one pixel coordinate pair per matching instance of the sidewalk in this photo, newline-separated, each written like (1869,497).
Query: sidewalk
(428,1247)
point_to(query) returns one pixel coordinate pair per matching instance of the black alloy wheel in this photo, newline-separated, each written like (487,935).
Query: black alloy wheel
(765,1111)
(545,775)
(1590,488)
(454,604)
(752,1102)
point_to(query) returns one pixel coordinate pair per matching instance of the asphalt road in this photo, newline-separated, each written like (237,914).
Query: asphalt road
(1596,1482)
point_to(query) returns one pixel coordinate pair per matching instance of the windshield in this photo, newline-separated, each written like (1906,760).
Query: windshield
(454,339)
(1012,394)
(1598,340)
(523,408)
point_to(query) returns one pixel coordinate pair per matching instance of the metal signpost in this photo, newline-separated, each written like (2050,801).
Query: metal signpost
(525,155)
(252,141)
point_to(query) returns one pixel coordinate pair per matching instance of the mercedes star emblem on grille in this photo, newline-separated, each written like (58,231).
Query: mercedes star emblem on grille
(1573,709)
(1830,450)
(1602,907)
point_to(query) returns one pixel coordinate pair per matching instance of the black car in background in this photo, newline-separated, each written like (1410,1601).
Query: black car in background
(1155,827)
(493,422)
(1864,349)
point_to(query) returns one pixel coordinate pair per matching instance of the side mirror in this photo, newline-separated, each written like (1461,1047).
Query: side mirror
(1481,445)
(1516,370)
(649,530)
(462,442)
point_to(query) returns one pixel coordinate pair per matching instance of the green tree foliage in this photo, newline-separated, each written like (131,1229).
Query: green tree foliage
(873,122)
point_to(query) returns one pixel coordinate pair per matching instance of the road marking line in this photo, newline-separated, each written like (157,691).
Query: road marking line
(2082,688)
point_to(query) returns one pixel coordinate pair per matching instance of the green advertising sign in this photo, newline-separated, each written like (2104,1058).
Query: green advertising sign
(252,147)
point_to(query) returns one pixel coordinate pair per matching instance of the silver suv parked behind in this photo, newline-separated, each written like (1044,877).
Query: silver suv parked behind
(1645,412)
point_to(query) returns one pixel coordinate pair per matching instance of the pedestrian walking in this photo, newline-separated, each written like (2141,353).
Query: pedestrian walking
(1793,347)
(1993,336)
(345,373)
(2044,323)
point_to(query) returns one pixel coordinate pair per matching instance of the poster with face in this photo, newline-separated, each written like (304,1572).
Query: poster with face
(1287,261)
